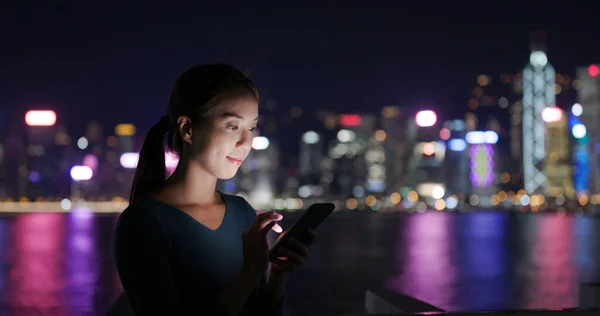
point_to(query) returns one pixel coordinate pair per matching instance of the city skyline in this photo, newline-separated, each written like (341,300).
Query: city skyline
(105,67)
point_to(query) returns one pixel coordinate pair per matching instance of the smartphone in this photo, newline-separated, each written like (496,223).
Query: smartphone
(311,219)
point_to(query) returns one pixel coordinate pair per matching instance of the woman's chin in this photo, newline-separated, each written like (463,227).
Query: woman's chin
(226,175)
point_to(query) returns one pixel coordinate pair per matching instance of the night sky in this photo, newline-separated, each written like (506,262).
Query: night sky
(117,63)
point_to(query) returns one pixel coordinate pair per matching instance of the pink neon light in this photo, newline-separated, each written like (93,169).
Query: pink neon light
(426,118)
(552,114)
(40,118)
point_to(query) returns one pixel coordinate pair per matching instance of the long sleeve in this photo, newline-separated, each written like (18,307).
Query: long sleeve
(143,264)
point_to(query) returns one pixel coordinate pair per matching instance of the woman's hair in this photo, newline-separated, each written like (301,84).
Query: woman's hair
(197,92)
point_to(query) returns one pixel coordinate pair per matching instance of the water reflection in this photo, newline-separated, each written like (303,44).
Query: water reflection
(61,264)
(82,275)
(586,235)
(36,282)
(553,280)
(4,244)
(483,261)
(424,247)
(495,260)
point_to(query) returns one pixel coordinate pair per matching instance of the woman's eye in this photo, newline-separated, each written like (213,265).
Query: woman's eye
(252,129)
(232,127)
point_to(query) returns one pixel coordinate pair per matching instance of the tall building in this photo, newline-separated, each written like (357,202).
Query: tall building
(353,173)
(538,93)
(42,155)
(456,164)
(558,162)
(311,165)
(425,171)
(589,98)
(483,160)
(396,147)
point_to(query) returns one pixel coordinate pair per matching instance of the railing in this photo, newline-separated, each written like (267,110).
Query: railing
(380,301)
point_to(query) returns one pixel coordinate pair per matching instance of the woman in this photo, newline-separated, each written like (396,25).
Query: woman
(182,247)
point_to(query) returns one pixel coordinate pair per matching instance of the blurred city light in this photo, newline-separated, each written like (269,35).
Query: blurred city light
(579,131)
(90,161)
(310,137)
(390,111)
(593,70)
(426,118)
(260,143)
(81,173)
(40,118)
(125,130)
(457,144)
(350,120)
(458,125)
(444,134)
(438,192)
(428,149)
(427,189)
(551,114)
(538,59)
(577,109)
(346,136)
(82,143)
(129,160)
(481,137)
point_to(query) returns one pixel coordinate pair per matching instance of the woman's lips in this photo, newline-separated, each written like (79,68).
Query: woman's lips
(236,161)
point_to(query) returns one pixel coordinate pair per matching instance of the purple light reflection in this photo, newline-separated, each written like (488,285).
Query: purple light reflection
(483,261)
(82,271)
(552,279)
(586,244)
(4,246)
(36,278)
(428,273)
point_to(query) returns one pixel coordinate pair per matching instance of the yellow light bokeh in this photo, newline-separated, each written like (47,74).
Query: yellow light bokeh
(395,198)
(125,130)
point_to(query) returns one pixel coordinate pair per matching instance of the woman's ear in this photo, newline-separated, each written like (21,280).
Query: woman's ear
(184,127)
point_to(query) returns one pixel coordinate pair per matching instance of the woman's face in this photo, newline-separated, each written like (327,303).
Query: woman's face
(226,140)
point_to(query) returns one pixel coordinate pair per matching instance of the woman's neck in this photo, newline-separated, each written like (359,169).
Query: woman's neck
(190,184)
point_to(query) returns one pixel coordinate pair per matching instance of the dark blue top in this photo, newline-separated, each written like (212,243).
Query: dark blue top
(170,264)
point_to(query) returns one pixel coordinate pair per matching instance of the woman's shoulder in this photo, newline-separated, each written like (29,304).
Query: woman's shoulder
(239,205)
(140,215)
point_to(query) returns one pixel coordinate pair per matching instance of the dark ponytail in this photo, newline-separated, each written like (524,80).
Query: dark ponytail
(150,172)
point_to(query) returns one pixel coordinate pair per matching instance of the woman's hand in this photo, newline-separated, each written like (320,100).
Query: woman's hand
(293,255)
(256,248)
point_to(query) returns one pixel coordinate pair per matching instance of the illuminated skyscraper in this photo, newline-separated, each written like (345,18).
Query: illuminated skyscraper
(538,93)
(425,164)
(397,149)
(558,162)
(482,152)
(589,98)
(40,167)
(311,164)
(357,157)
(456,162)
